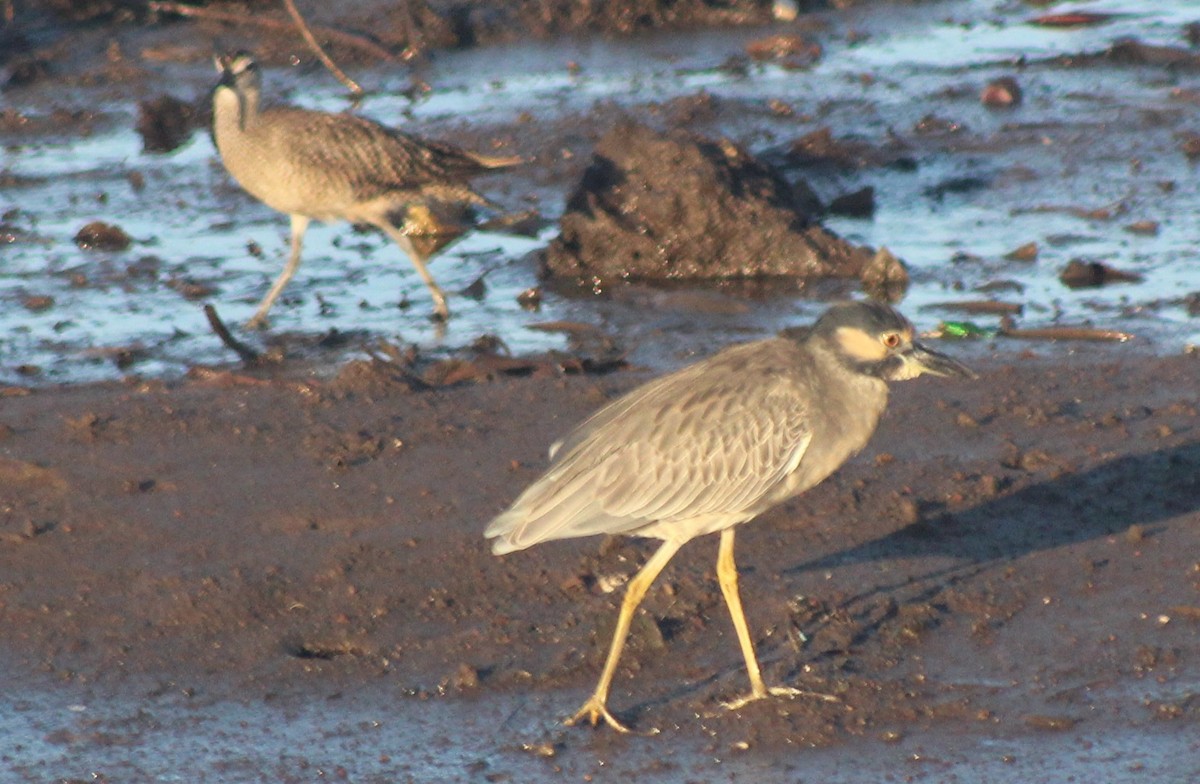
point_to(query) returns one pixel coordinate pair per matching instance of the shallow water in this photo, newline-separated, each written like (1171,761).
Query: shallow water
(1087,137)
(78,734)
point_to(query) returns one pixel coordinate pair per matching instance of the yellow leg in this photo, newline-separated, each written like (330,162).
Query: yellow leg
(299,226)
(727,576)
(440,310)
(595,709)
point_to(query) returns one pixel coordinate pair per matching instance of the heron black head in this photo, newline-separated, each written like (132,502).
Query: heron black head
(874,339)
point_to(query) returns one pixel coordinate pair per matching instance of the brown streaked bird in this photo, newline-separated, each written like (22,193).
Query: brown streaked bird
(714,445)
(319,166)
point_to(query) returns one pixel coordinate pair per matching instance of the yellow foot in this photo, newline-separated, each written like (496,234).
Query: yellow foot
(776,691)
(593,710)
(259,321)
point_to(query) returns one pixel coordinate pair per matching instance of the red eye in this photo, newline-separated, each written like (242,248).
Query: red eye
(891,340)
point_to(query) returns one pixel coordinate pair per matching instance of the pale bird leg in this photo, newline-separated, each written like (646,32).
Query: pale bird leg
(594,709)
(440,310)
(727,576)
(299,226)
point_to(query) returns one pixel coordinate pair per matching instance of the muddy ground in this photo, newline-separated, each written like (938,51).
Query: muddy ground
(1012,556)
(279,574)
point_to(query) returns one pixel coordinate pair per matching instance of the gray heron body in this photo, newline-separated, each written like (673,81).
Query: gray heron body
(715,444)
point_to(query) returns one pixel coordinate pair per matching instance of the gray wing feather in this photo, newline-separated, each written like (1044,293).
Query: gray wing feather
(713,439)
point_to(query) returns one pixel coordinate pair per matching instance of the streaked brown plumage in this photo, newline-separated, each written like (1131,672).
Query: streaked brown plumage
(320,166)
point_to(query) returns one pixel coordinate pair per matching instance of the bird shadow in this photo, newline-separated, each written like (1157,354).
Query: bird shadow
(1140,489)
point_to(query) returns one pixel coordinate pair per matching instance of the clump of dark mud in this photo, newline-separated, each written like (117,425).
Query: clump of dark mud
(165,123)
(98,235)
(676,206)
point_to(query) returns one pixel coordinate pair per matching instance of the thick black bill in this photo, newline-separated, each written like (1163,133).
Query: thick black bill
(938,364)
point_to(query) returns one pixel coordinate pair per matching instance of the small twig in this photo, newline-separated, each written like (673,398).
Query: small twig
(248,355)
(988,307)
(217,15)
(350,84)
(1009,330)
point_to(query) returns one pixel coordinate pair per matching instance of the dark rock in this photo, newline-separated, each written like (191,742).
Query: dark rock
(1081,273)
(1026,252)
(1147,228)
(933,125)
(857,204)
(25,72)
(102,236)
(165,123)
(790,48)
(820,147)
(885,277)
(1001,93)
(655,206)
(1189,143)
(1191,33)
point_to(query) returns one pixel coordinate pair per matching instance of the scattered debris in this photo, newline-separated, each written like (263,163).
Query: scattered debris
(792,51)
(1026,252)
(885,277)
(960,330)
(1008,330)
(36,303)
(785,10)
(1072,19)
(856,204)
(1189,144)
(477,289)
(530,298)
(989,307)
(1082,273)
(165,123)
(931,124)
(1130,51)
(102,236)
(1053,723)
(247,354)
(1148,228)
(1001,93)
(820,148)
(1000,285)
(1087,213)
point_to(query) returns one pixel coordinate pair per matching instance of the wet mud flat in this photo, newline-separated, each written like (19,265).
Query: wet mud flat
(903,142)
(258,578)
(273,575)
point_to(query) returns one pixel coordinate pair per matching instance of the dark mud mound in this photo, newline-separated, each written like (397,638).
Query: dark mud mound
(675,206)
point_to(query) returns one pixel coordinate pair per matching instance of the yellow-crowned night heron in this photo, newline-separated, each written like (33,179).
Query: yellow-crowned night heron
(316,165)
(715,444)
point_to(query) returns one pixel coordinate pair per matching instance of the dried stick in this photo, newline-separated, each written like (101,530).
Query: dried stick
(217,15)
(350,84)
(248,355)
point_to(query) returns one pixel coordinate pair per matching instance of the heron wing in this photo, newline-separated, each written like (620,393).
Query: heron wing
(712,440)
